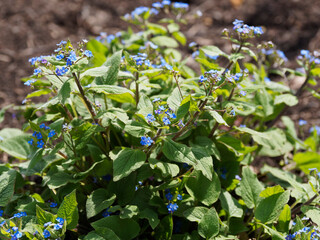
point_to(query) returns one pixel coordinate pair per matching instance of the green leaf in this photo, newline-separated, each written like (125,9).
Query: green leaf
(208,145)
(129,211)
(180,37)
(212,51)
(313,213)
(7,185)
(119,94)
(125,229)
(269,209)
(275,144)
(202,189)
(195,214)
(178,152)
(175,99)
(69,210)
(126,161)
(111,76)
(232,207)
(124,189)
(59,179)
(269,191)
(136,129)
(152,217)
(97,201)
(305,160)
(273,233)
(17,146)
(44,216)
(287,99)
(164,229)
(167,169)
(264,99)
(39,93)
(250,188)
(209,224)
(164,41)
(64,92)
(96,72)
(204,163)
(284,219)
(99,51)
(284,176)
(2,112)
(218,117)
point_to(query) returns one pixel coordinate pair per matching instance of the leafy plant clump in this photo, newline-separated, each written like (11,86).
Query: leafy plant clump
(137,140)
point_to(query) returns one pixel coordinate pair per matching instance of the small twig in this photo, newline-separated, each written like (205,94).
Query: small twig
(85,99)
(137,87)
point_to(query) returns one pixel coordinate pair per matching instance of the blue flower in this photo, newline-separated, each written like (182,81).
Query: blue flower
(243,93)
(37,71)
(179,197)
(88,53)
(150,118)
(157,5)
(46,224)
(40,144)
(42,125)
(232,113)
(30,82)
(166,121)
(192,44)
(195,54)
(59,57)
(51,133)
(302,122)
(106,213)
(169,196)
(61,43)
(72,58)
(202,79)
(146,141)
(46,233)
(30,141)
(267,80)
(2,223)
(110,38)
(172,207)
(60,220)
(238,177)
(156,100)
(1,213)
(53,204)
(315,128)
(57,226)
(180,5)
(166,2)
(39,135)
(61,71)
(19,215)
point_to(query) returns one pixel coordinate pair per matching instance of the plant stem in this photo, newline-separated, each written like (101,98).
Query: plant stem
(85,99)
(136,74)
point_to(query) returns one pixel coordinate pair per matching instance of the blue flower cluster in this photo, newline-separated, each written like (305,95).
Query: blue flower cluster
(19,215)
(39,136)
(245,30)
(302,122)
(56,226)
(14,233)
(106,213)
(275,53)
(172,207)
(140,59)
(37,60)
(176,5)
(315,233)
(140,11)
(310,57)
(146,141)
(30,82)
(53,204)
(315,128)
